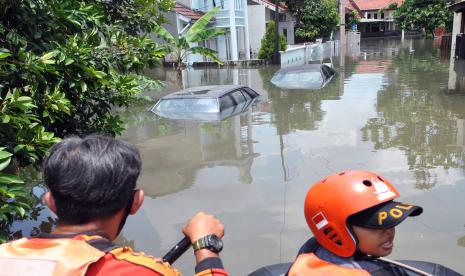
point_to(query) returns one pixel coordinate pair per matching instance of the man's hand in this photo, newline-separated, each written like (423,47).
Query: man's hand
(201,225)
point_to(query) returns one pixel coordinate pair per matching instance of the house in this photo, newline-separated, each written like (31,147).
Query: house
(458,37)
(260,13)
(244,31)
(376,16)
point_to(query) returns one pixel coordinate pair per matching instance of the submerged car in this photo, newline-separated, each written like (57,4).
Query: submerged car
(206,103)
(309,76)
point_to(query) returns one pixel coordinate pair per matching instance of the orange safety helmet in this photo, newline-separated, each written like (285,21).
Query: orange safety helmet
(331,201)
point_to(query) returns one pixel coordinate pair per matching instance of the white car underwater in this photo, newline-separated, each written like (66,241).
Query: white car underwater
(309,76)
(206,103)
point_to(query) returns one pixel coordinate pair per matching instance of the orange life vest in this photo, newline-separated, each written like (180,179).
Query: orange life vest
(310,264)
(65,256)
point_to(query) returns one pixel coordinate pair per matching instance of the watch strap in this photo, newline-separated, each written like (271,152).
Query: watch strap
(199,244)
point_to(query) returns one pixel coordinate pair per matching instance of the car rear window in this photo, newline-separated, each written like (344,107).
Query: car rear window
(188,105)
(238,97)
(226,101)
(252,93)
(327,71)
(246,95)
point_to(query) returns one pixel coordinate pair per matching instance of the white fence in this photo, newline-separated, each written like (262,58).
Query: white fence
(301,55)
(310,52)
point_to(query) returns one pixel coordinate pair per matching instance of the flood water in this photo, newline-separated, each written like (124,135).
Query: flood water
(391,110)
(395,108)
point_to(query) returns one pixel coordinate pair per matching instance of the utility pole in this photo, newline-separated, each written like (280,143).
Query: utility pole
(276,33)
(342,26)
(342,45)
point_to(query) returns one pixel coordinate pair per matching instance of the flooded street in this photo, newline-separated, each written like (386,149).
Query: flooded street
(395,108)
(390,111)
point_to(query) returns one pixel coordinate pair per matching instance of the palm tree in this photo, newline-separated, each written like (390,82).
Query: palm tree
(198,32)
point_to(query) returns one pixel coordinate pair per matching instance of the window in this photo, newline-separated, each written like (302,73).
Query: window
(282,17)
(382,15)
(252,93)
(327,72)
(368,15)
(375,16)
(246,95)
(284,33)
(238,97)
(226,102)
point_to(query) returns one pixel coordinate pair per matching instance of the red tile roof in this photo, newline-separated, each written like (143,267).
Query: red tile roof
(270,4)
(187,12)
(366,5)
(350,5)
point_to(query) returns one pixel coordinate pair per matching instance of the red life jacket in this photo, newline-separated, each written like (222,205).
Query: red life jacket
(66,256)
(310,264)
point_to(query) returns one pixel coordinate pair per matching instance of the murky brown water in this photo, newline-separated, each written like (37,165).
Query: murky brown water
(398,109)
(390,112)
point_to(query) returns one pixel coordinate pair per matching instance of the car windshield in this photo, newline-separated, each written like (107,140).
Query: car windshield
(188,105)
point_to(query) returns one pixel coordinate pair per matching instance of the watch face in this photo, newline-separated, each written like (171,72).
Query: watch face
(214,243)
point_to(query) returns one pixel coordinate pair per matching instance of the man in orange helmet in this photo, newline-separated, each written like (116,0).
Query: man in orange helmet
(352,216)
(92,183)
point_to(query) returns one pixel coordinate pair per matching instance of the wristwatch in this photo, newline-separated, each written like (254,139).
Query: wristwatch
(210,242)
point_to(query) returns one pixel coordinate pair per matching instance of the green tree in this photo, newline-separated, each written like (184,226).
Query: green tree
(352,19)
(198,32)
(316,18)
(64,66)
(76,60)
(425,15)
(14,202)
(267,43)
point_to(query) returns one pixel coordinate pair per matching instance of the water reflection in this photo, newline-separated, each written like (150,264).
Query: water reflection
(40,219)
(415,115)
(388,109)
(173,151)
(297,109)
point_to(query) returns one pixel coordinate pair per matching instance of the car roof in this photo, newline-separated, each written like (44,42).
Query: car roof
(306,67)
(212,91)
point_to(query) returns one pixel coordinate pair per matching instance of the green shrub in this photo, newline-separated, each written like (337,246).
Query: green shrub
(14,202)
(76,60)
(267,43)
(64,66)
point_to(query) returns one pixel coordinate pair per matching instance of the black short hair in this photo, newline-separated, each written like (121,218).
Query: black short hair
(91,178)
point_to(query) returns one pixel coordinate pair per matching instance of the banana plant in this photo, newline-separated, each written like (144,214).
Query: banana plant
(198,32)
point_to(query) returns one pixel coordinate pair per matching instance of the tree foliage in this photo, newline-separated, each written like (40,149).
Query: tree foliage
(352,19)
(64,66)
(267,42)
(316,18)
(180,46)
(14,202)
(75,60)
(425,15)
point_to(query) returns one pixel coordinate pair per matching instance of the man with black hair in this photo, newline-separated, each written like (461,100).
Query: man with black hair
(92,190)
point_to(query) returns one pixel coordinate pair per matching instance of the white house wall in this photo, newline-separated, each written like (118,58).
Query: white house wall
(257,26)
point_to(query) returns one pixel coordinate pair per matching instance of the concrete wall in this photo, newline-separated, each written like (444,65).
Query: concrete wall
(288,25)
(455,31)
(257,26)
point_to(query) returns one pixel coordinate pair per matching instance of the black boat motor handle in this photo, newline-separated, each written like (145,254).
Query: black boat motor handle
(177,250)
